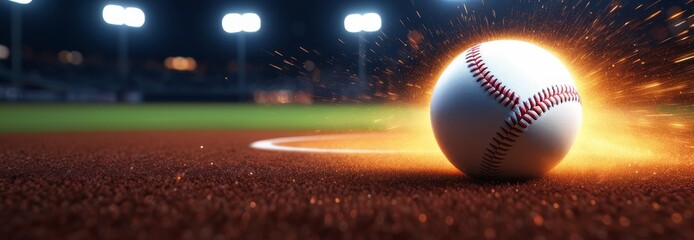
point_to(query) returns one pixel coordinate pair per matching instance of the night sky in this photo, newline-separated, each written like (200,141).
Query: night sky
(644,46)
(193,28)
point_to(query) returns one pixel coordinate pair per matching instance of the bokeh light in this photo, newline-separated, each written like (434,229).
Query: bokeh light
(369,22)
(235,22)
(119,15)
(21,1)
(134,17)
(180,63)
(353,23)
(113,14)
(4,52)
(70,57)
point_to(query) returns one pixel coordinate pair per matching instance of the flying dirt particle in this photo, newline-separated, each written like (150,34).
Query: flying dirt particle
(538,220)
(656,206)
(676,218)
(606,219)
(422,218)
(449,220)
(624,221)
(489,233)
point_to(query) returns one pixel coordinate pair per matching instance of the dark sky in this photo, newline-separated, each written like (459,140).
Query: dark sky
(193,28)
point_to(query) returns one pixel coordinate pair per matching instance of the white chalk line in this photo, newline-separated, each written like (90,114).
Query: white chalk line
(274,145)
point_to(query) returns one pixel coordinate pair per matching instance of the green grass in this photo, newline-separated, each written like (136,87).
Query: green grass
(117,117)
(679,109)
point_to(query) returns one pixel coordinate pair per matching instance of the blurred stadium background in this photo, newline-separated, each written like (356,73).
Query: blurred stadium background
(62,70)
(638,52)
(181,53)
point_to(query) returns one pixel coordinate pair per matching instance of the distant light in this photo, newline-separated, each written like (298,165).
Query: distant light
(62,56)
(230,23)
(75,58)
(135,17)
(21,1)
(309,65)
(71,57)
(235,22)
(4,52)
(353,23)
(192,64)
(251,22)
(369,22)
(113,14)
(180,63)
(119,15)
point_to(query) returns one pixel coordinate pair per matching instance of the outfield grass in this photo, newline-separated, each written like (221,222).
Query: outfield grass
(115,117)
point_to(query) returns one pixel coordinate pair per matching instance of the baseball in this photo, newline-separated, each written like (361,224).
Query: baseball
(505,109)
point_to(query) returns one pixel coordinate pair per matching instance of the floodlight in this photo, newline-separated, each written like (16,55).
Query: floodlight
(21,1)
(134,17)
(119,15)
(371,22)
(113,14)
(251,22)
(353,23)
(234,22)
(231,23)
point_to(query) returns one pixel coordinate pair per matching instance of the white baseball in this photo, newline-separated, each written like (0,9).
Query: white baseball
(505,109)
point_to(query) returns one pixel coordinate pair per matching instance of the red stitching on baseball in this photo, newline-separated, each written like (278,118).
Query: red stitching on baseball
(488,81)
(523,113)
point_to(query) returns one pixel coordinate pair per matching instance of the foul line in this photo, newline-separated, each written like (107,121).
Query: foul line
(273,144)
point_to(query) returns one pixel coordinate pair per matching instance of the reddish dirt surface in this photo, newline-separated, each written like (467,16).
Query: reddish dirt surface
(144,185)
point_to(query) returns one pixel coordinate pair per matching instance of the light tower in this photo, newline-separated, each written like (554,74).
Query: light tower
(362,24)
(124,17)
(16,42)
(240,24)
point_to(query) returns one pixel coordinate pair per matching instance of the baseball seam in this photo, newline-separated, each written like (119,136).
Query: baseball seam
(522,115)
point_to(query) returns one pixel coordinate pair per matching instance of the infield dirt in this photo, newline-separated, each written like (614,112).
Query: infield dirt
(192,185)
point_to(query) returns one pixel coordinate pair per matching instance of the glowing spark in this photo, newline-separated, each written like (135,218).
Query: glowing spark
(614,8)
(685,58)
(650,85)
(653,15)
(276,67)
(675,15)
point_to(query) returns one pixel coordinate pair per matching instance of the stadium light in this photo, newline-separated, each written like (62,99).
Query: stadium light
(119,15)
(361,23)
(241,24)
(369,22)
(235,22)
(353,23)
(16,41)
(21,1)
(126,17)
